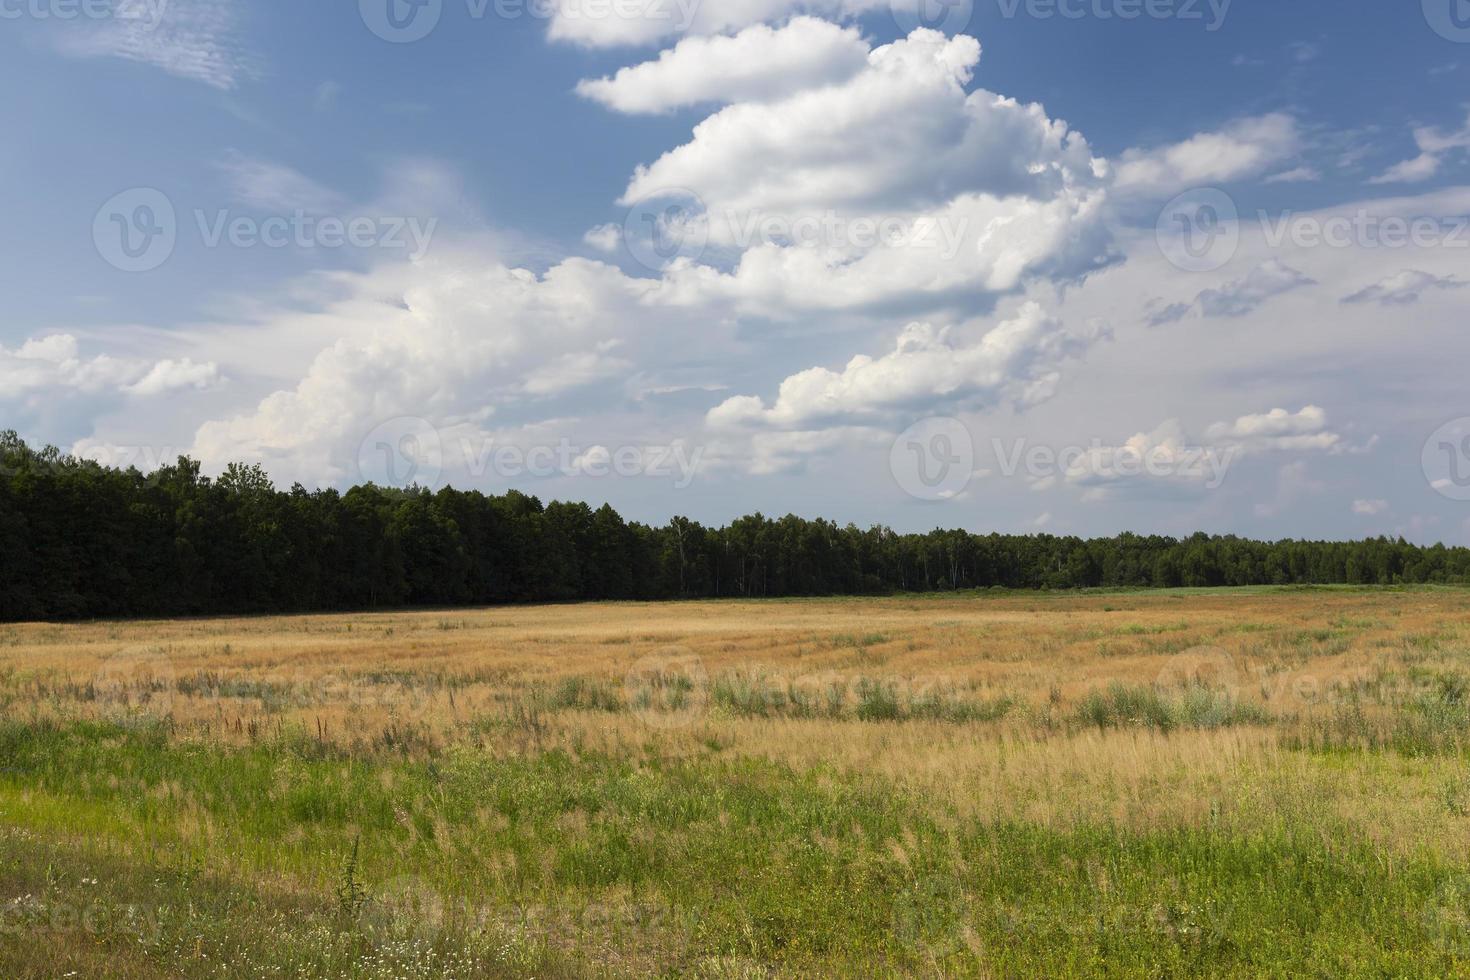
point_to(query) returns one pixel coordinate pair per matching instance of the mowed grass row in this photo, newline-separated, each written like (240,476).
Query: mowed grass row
(163,857)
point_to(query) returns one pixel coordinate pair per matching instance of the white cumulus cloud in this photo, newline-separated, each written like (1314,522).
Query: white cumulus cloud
(169,376)
(455,339)
(1245,148)
(897,184)
(901,133)
(1277,430)
(639,22)
(1168,460)
(1018,360)
(759,64)
(55,363)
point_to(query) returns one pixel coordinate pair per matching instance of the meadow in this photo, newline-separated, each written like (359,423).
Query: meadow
(1252,782)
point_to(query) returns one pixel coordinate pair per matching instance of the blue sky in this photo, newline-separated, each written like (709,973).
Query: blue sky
(1029,310)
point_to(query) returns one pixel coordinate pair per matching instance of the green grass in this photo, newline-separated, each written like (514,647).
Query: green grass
(1196,706)
(1431,722)
(585,694)
(754,694)
(78,910)
(703,866)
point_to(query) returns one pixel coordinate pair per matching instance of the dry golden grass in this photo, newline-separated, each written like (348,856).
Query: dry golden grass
(1298,655)
(1324,726)
(1021,643)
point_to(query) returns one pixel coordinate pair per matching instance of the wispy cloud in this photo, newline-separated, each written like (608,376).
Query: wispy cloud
(1404,288)
(1237,298)
(274,187)
(1298,175)
(193,39)
(1434,145)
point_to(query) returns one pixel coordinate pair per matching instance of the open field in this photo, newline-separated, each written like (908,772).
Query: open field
(1228,783)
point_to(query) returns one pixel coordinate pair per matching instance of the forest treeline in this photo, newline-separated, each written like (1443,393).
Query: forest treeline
(81,540)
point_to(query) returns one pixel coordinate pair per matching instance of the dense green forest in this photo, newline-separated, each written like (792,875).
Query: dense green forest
(81,540)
